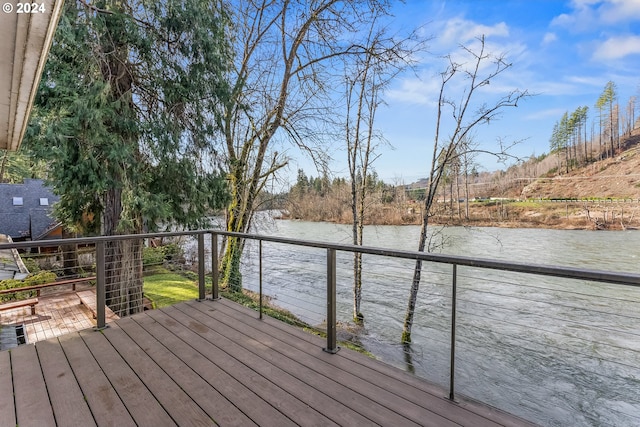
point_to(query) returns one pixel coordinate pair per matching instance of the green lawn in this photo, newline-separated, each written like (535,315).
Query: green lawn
(165,289)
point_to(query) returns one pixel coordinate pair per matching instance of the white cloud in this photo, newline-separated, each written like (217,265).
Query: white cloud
(614,11)
(549,38)
(554,88)
(617,47)
(545,114)
(589,14)
(453,33)
(456,32)
(415,91)
(461,31)
(586,81)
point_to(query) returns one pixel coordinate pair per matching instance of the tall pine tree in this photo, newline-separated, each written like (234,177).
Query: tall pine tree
(126,118)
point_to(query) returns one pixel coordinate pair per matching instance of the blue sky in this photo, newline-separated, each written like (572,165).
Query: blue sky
(563,51)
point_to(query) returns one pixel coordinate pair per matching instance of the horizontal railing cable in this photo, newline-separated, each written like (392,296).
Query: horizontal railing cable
(549,304)
(547,344)
(559,290)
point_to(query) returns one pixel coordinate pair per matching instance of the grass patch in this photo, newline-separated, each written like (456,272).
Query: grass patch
(165,288)
(525,204)
(252,300)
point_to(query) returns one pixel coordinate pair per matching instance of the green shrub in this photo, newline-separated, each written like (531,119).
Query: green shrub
(152,256)
(156,256)
(31,265)
(33,279)
(173,252)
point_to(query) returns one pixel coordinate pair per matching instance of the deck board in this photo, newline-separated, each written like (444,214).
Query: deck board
(290,405)
(67,400)
(239,394)
(354,394)
(29,389)
(416,405)
(286,373)
(215,363)
(103,401)
(176,402)
(140,402)
(204,394)
(354,372)
(382,372)
(7,414)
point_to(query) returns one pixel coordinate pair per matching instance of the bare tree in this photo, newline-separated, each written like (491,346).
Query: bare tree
(366,78)
(481,69)
(630,118)
(606,100)
(468,166)
(286,52)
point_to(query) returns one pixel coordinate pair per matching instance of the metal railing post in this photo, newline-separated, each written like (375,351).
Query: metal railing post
(201,288)
(260,273)
(101,294)
(452,366)
(331,302)
(214,267)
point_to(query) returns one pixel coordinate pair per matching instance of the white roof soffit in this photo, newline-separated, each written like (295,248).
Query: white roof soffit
(25,39)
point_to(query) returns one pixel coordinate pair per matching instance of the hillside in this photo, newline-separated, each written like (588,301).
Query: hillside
(617,178)
(601,195)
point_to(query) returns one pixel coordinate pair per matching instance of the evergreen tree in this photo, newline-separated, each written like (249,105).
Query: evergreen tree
(16,166)
(606,101)
(126,118)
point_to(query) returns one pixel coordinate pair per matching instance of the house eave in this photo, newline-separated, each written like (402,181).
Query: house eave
(25,39)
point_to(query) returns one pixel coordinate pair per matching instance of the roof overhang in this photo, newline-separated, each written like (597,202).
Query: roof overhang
(25,39)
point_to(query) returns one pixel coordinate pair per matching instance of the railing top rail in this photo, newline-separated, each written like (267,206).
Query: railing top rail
(95,239)
(628,279)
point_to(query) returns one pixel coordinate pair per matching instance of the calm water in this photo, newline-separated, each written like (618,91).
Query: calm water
(555,351)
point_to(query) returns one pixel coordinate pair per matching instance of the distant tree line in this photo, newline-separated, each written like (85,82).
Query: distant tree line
(569,136)
(323,198)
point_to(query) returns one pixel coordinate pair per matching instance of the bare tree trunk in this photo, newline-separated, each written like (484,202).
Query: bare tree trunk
(447,151)
(123,276)
(466,194)
(372,72)
(451,194)
(274,87)
(236,220)
(417,276)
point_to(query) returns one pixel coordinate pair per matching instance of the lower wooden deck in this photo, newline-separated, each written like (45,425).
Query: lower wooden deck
(214,363)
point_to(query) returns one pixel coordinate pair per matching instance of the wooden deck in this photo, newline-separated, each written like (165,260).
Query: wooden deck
(56,314)
(214,363)
(88,299)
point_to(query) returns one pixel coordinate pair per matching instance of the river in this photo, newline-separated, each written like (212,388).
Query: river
(555,351)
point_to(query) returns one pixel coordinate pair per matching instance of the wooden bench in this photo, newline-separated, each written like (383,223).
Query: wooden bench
(88,298)
(37,288)
(22,303)
(33,301)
